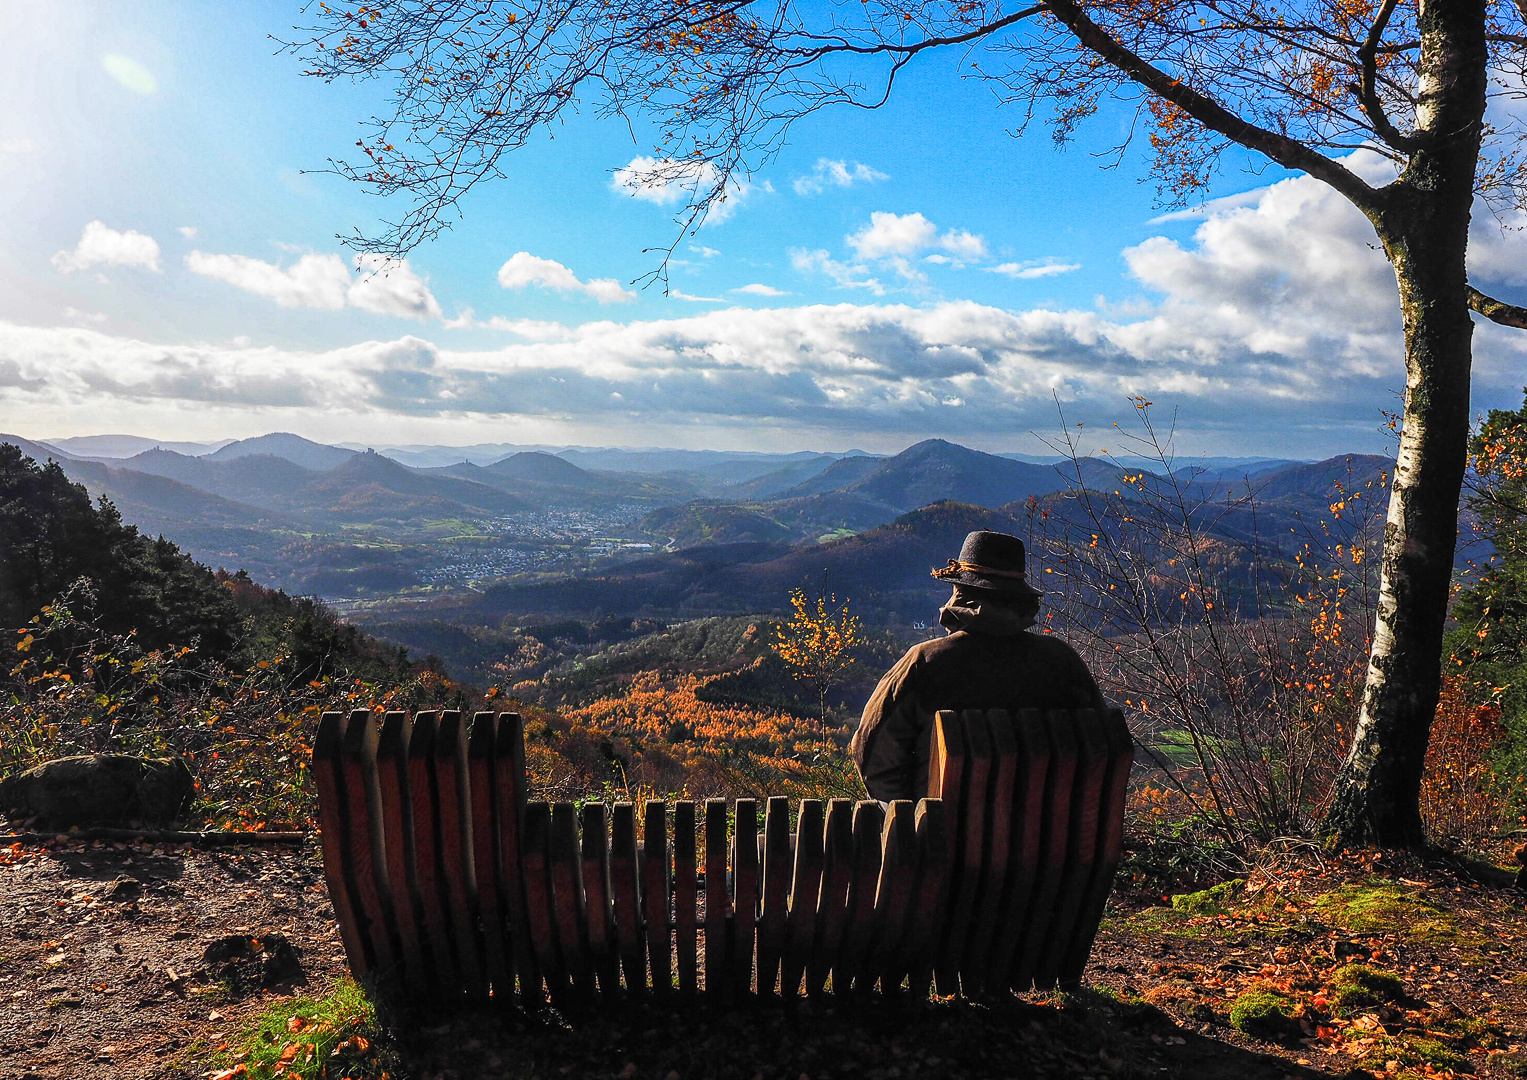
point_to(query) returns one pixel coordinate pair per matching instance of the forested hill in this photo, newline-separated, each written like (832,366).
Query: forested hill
(59,549)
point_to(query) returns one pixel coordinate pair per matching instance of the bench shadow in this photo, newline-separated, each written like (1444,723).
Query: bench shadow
(1084,1034)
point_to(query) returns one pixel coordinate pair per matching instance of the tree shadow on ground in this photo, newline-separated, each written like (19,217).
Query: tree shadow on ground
(1078,1035)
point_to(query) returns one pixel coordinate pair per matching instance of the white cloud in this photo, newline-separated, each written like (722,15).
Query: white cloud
(391,288)
(17,147)
(529,329)
(324,282)
(847,275)
(1037,268)
(188,231)
(668,182)
(678,295)
(524,269)
(703,251)
(130,73)
(828,173)
(759,289)
(313,281)
(84,316)
(1275,325)
(100,245)
(903,235)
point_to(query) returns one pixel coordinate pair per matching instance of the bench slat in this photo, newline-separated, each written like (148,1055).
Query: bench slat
(832,904)
(1081,843)
(990,906)
(392,785)
(928,897)
(805,889)
(1030,773)
(367,844)
(510,795)
(655,897)
(1110,848)
(596,895)
(718,904)
(426,831)
(539,906)
(893,898)
(456,848)
(744,895)
(869,822)
(684,936)
(568,903)
(328,778)
(774,919)
(480,745)
(1054,838)
(625,893)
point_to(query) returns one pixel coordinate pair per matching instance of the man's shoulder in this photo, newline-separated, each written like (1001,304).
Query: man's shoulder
(957,646)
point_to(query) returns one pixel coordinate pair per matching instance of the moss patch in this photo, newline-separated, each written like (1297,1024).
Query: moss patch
(1264,1014)
(309,1037)
(1212,901)
(1377,906)
(1358,986)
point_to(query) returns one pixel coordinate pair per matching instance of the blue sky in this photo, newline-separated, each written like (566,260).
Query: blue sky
(168,268)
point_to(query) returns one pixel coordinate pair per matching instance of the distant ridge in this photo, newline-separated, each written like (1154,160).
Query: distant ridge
(125,446)
(38,452)
(294,448)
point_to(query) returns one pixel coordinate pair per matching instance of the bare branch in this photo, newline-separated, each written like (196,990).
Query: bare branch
(1367,91)
(1285,151)
(1497,310)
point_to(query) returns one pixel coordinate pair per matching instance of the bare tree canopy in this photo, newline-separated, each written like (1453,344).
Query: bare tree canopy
(1437,87)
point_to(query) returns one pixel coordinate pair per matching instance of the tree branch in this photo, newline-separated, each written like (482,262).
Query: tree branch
(1497,310)
(1290,153)
(1367,92)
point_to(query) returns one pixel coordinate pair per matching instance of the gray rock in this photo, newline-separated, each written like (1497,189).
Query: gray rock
(100,789)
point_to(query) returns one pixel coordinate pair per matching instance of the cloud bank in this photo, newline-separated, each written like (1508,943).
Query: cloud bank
(324,282)
(1274,328)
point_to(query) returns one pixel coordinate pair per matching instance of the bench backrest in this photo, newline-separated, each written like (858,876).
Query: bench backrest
(450,886)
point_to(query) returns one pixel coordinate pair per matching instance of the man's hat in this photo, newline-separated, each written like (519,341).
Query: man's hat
(990,560)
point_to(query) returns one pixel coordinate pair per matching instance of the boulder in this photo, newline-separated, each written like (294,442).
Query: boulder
(100,789)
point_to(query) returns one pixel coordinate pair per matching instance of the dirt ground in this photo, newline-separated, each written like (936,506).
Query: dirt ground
(130,960)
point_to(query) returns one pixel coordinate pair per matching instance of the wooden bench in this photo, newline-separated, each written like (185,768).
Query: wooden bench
(449,886)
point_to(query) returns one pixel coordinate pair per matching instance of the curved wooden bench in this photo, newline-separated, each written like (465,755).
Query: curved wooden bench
(449,886)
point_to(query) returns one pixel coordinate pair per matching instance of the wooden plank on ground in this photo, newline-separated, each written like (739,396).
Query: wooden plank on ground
(392,784)
(996,883)
(596,892)
(328,777)
(832,904)
(566,864)
(625,896)
(655,897)
(535,854)
(426,830)
(718,904)
(744,895)
(775,917)
(928,912)
(454,807)
(510,794)
(1110,844)
(1087,798)
(805,889)
(368,845)
(485,844)
(869,821)
(893,899)
(684,928)
(1054,842)
(1029,778)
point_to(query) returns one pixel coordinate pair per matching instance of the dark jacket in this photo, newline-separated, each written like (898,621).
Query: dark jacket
(966,670)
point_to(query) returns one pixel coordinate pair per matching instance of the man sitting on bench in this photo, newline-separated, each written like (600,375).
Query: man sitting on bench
(987,661)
